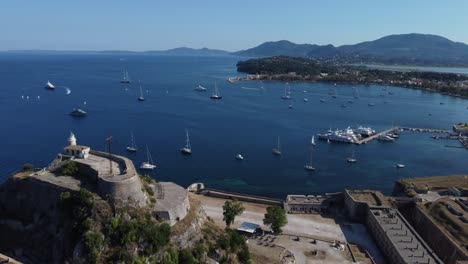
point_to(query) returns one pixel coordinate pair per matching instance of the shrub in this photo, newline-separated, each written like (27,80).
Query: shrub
(70,169)
(27,167)
(93,242)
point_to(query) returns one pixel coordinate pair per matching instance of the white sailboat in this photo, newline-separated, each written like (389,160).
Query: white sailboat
(312,141)
(287,92)
(216,94)
(132,147)
(125,78)
(309,166)
(141,98)
(49,86)
(352,159)
(277,150)
(187,149)
(148,165)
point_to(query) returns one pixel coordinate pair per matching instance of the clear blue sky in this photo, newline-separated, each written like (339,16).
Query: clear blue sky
(221,24)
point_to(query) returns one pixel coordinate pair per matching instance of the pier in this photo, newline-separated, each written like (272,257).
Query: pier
(385,132)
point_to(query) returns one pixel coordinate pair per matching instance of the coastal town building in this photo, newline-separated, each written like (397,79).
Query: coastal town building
(304,204)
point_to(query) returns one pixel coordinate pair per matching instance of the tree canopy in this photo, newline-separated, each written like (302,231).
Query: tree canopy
(231,209)
(275,218)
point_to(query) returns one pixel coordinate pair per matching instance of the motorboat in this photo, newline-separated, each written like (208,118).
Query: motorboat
(200,88)
(385,138)
(49,86)
(400,166)
(78,112)
(239,157)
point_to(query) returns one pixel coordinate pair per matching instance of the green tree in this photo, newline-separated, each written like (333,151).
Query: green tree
(93,242)
(231,210)
(70,169)
(275,218)
(27,167)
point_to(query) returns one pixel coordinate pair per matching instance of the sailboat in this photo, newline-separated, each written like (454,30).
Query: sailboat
(312,141)
(309,166)
(49,86)
(216,94)
(351,159)
(277,150)
(187,149)
(141,98)
(132,147)
(148,165)
(287,92)
(125,78)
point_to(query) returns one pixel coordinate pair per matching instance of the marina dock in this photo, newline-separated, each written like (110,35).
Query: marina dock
(385,132)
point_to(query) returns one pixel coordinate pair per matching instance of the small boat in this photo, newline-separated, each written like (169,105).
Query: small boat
(132,147)
(187,150)
(216,94)
(304,91)
(306,100)
(49,86)
(290,106)
(350,101)
(148,165)
(141,98)
(78,112)
(343,106)
(371,104)
(352,159)
(322,100)
(333,96)
(125,78)
(385,138)
(239,157)
(287,92)
(309,166)
(328,140)
(277,150)
(312,141)
(400,166)
(200,88)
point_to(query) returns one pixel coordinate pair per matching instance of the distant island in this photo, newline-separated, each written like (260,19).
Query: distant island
(399,49)
(284,68)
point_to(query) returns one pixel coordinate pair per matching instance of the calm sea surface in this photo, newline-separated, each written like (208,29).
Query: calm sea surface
(247,120)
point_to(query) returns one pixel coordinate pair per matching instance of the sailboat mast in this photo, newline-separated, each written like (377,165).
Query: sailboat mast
(187,139)
(279,145)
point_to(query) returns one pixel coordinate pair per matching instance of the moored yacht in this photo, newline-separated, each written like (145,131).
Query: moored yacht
(400,166)
(200,88)
(385,138)
(148,165)
(187,150)
(239,157)
(132,147)
(141,98)
(216,94)
(78,112)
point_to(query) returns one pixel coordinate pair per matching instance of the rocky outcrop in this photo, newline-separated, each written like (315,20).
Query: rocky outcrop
(30,222)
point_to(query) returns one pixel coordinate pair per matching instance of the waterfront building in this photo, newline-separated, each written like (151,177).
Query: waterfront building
(302,204)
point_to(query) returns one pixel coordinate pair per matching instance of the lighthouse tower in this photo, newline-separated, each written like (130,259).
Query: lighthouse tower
(72,139)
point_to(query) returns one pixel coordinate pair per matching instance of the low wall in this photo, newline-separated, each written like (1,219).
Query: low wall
(123,188)
(242,197)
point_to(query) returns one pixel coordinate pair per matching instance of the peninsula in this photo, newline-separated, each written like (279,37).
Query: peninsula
(284,68)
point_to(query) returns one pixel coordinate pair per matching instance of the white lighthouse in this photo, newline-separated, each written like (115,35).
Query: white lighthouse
(72,139)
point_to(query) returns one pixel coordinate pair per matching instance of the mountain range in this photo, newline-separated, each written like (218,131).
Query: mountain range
(414,48)
(418,49)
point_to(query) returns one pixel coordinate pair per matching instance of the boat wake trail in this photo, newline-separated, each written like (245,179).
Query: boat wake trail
(67,89)
(250,88)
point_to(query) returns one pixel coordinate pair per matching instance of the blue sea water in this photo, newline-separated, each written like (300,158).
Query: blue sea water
(247,120)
